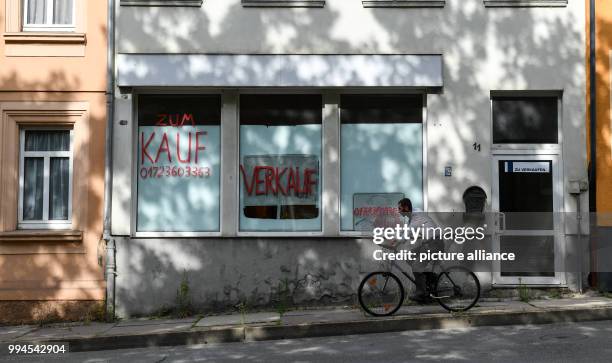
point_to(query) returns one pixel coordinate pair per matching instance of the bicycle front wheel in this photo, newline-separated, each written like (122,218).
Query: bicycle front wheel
(381,293)
(457,289)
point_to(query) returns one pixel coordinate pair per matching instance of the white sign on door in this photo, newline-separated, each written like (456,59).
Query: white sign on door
(527,167)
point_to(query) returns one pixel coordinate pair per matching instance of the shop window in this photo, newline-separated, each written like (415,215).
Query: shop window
(50,15)
(45,179)
(179,163)
(280,162)
(381,159)
(525,120)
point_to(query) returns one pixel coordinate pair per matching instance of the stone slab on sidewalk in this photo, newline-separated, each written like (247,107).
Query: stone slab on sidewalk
(577,303)
(159,328)
(237,319)
(65,332)
(9,333)
(304,323)
(146,321)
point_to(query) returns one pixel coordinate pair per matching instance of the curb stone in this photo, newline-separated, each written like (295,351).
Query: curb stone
(262,332)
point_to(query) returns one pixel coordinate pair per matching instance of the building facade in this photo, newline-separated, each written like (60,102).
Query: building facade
(52,127)
(254,140)
(602,222)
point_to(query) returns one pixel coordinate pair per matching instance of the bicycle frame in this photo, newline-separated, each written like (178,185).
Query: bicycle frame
(395,264)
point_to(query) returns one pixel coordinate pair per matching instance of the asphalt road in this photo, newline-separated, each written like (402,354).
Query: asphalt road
(575,342)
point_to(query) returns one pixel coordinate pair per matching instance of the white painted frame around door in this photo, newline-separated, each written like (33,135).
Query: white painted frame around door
(557,232)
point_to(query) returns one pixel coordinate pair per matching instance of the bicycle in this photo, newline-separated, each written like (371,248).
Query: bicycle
(456,289)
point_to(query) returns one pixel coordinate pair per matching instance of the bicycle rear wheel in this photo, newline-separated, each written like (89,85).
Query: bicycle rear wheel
(457,289)
(381,293)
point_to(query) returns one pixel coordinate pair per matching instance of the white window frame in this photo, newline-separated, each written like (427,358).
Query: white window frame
(350,233)
(48,26)
(134,200)
(535,152)
(501,147)
(44,223)
(322,171)
(230,160)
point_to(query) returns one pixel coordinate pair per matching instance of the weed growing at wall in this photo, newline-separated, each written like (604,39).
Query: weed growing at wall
(524,292)
(284,297)
(183,298)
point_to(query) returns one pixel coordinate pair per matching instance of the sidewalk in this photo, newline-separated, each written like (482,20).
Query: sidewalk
(303,323)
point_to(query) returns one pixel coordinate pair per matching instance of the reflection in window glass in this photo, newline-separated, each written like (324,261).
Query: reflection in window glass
(179,165)
(525,120)
(280,161)
(381,157)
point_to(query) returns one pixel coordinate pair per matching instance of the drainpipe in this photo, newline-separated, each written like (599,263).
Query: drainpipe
(109,271)
(579,222)
(593,130)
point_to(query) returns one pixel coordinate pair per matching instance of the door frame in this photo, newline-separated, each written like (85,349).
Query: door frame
(558,232)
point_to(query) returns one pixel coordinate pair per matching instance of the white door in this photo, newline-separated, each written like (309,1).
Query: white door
(527,196)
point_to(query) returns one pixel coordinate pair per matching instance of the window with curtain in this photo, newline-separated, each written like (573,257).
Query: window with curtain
(381,158)
(48,15)
(280,158)
(45,179)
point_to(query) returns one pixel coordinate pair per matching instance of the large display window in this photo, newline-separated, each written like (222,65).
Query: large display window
(179,163)
(280,163)
(381,158)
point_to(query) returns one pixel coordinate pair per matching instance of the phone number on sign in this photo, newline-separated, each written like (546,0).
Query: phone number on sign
(37,348)
(174,171)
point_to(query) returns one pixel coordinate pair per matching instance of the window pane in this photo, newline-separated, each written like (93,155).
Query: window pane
(179,163)
(525,120)
(381,157)
(62,11)
(37,10)
(33,178)
(42,140)
(526,197)
(59,188)
(280,158)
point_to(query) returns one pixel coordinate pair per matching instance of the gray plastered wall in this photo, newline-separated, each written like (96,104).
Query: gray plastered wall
(483,50)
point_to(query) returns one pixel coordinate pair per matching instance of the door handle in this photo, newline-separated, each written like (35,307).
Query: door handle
(502,221)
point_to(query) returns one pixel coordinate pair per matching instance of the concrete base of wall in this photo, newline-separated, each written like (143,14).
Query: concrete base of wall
(187,276)
(45,312)
(261,273)
(602,241)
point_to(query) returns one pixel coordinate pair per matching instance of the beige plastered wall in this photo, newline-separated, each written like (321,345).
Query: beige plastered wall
(53,79)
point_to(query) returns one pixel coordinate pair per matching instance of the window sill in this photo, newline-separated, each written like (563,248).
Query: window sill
(45,38)
(45,44)
(403,3)
(42,236)
(525,3)
(186,3)
(284,4)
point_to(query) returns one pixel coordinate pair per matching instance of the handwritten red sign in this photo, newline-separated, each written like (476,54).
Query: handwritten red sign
(266,180)
(164,151)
